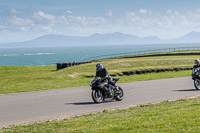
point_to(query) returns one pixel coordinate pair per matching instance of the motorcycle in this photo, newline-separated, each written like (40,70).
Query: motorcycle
(196,77)
(99,94)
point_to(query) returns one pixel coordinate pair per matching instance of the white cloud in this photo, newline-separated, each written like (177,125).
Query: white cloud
(69,12)
(46,17)
(145,12)
(13,11)
(194,15)
(43,19)
(169,12)
(20,21)
(168,25)
(172,20)
(132,17)
(85,20)
(140,23)
(47,28)
(63,20)
(110,13)
(16,12)
(176,13)
(23,29)
(2,27)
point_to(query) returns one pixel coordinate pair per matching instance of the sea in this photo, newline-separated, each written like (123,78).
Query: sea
(53,55)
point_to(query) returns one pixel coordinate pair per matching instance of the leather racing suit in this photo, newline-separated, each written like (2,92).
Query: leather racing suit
(105,76)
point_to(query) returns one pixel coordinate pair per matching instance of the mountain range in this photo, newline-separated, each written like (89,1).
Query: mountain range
(116,38)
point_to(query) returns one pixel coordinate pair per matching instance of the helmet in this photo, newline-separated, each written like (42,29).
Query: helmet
(196,62)
(99,66)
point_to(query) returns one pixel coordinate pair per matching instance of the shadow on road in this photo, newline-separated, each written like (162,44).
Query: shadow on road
(81,103)
(90,103)
(186,90)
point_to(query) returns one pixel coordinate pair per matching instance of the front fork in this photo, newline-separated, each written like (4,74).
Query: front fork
(98,93)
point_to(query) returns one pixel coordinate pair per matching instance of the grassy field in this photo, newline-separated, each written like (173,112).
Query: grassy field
(32,78)
(170,117)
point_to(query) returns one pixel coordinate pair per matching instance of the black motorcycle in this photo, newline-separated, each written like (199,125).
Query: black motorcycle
(99,94)
(196,77)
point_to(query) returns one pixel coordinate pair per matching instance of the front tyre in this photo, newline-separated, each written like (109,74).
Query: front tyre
(120,94)
(97,96)
(197,84)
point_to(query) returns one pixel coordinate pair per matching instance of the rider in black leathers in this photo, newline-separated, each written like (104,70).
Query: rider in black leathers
(196,63)
(105,76)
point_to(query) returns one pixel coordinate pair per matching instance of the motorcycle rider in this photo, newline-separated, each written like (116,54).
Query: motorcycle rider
(196,63)
(105,76)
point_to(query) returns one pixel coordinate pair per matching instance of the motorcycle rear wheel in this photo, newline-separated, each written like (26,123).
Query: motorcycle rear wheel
(120,96)
(197,84)
(97,96)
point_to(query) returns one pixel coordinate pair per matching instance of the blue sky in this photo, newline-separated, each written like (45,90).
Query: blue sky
(22,20)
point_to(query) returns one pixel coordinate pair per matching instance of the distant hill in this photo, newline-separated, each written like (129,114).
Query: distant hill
(100,39)
(192,37)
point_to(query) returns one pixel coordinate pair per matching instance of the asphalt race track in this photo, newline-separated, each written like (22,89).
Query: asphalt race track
(19,108)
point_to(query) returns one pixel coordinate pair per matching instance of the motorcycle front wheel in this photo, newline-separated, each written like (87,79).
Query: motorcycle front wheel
(120,95)
(97,96)
(197,84)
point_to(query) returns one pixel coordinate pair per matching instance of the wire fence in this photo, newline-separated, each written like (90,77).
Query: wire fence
(137,53)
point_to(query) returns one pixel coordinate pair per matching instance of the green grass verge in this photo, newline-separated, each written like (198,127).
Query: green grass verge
(33,78)
(170,117)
